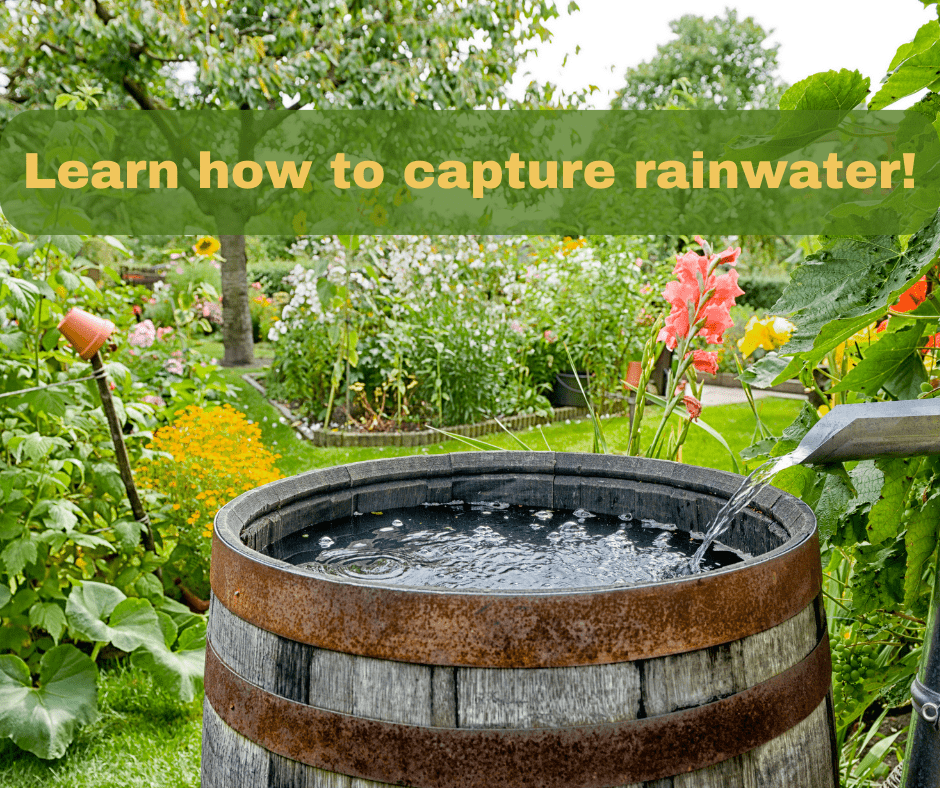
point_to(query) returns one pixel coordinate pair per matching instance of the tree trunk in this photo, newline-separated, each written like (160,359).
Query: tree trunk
(236,313)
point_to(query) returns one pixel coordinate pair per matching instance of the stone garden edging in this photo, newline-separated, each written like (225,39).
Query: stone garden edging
(335,438)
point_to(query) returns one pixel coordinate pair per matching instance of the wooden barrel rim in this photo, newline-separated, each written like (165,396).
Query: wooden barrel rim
(558,628)
(427,757)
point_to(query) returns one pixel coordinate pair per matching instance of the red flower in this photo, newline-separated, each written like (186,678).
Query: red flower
(693,406)
(915,295)
(695,279)
(136,309)
(933,341)
(705,361)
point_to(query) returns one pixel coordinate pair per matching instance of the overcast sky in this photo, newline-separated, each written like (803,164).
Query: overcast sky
(814,35)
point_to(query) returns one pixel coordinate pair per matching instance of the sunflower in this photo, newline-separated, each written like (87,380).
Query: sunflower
(207,246)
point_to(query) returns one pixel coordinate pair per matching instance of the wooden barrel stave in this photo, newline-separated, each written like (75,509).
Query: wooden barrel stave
(462,697)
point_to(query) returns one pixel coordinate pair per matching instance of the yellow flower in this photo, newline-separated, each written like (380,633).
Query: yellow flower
(769,334)
(822,410)
(379,216)
(207,246)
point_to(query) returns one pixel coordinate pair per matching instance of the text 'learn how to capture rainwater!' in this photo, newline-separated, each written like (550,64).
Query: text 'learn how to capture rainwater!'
(497,546)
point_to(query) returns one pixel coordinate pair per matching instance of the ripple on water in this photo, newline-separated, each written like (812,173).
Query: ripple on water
(491,545)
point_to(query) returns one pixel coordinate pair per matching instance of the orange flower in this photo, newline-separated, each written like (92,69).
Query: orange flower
(913,297)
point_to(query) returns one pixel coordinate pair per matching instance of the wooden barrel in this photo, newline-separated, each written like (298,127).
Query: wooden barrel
(719,679)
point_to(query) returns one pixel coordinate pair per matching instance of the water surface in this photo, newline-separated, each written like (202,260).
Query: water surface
(496,546)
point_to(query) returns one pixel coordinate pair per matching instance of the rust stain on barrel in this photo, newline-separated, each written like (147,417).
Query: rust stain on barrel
(557,629)
(589,756)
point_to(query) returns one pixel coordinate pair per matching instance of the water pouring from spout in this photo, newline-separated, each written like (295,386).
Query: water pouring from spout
(847,432)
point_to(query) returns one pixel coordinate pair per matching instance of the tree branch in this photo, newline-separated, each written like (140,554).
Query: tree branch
(102,13)
(140,95)
(61,50)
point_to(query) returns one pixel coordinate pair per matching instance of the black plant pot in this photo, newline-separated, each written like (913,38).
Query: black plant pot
(565,391)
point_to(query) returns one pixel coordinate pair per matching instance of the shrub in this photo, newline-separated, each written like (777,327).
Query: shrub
(761,292)
(208,456)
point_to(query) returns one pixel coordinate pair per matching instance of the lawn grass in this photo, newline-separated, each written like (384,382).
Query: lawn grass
(143,738)
(146,739)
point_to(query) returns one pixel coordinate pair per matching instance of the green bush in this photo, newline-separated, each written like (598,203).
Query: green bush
(271,274)
(761,292)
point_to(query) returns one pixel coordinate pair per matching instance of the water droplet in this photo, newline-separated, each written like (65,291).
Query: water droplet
(325,541)
(543,515)
(626,517)
(582,513)
(396,523)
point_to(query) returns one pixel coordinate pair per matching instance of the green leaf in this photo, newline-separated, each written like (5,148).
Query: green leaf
(867,479)
(920,541)
(797,430)
(5,596)
(149,587)
(926,37)
(128,534)
(88,607)
(769,371)
(47,401)
(830,508)
(57,514)
(916,72)
(18,553)
(760,449)
(14,342)
(885,517)
(180,670)
(43,719)
(168,627)
(894,357)
(830,90)
(48,616)
(842,289)
(182,616)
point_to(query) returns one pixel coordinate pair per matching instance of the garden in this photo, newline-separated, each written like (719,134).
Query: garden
(104,611)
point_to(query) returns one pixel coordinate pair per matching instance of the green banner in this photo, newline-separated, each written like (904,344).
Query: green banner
(454,172)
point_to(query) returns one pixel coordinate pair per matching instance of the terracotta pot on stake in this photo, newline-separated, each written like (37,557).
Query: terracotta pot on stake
(87,333)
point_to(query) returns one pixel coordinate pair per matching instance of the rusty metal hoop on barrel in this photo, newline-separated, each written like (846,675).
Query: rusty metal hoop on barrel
(716,679)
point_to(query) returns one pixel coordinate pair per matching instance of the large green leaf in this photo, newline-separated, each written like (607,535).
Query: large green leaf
(48,616)
(921,541)
(893,360)
(886,516)
(765,373)
(18,553)
(926,37)
(915,73)
(102,614)
(842,289)
(182,669)
(831,505)
(830,90)
(43,719)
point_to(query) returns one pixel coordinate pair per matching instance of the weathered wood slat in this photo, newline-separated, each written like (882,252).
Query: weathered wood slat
(547,697)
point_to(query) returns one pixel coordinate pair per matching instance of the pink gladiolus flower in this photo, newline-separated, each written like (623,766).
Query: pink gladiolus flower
(693,406)
(705,361)
(699,295)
